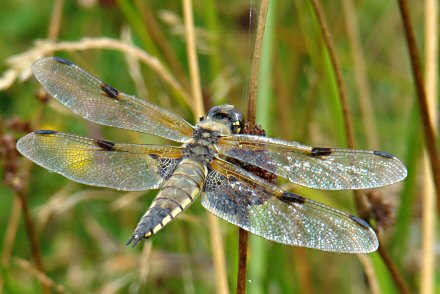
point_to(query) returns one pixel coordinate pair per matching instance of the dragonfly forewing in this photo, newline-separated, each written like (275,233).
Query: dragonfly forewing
(99,102)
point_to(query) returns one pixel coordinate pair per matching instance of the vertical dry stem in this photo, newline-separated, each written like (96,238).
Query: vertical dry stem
(55,20)
(428,128)
(397,278)
(428,223)
(196,90)
(367,111)
(252,114)
(338,72)
(243,237)
(349,131)
(256,60)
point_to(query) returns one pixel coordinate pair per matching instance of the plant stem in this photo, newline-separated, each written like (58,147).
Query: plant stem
(428,129)
(196,91)
(256,60)
(252,114)
(349,132)
(338,72)
(397,277)
(427,272)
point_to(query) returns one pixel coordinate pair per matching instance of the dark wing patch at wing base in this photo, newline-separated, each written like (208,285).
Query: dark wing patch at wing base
(129,167)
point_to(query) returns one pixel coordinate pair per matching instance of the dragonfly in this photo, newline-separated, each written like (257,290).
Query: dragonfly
(205,166)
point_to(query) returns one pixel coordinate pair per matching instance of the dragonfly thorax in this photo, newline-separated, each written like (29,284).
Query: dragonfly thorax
(201,146)
(222,120)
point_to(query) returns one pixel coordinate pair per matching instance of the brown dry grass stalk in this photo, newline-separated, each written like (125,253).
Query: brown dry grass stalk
(11,232)
(196,90)
(256,60)
(360,73)
(251,117)
(348,122)
(159,38)
(21,193)
(370,273)
(349,132)
(243,237)
(55,20)
(397,277)
(427,274)
(428,128)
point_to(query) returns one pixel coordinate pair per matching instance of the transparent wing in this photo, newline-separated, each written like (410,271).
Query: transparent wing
(272,213)
(316,167)
(98,102)
(96,162)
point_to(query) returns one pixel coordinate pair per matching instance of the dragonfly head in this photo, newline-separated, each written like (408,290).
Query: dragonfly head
(228,115)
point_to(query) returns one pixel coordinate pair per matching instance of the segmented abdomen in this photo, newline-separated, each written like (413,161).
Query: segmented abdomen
(176,194)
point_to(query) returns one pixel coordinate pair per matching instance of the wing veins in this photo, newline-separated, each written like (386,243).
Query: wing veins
(99,102)
(320,168)
(129,167)
(270,212)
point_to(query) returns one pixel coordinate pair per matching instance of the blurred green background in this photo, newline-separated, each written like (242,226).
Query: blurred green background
(82,230)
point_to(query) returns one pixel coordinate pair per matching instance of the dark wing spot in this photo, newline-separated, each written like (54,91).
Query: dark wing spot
(360,221)
(45,132)
(104,144)
(62,60)
(109,91)
(292,198)
(383,154)
(154,156)
(321,151)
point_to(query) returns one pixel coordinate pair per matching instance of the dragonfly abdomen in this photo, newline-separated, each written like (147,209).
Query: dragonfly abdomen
(177,193)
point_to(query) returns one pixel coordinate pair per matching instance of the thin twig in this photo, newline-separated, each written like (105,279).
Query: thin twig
(428,129)
(35,249)
(196,90)
(397,278)
(427,272)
